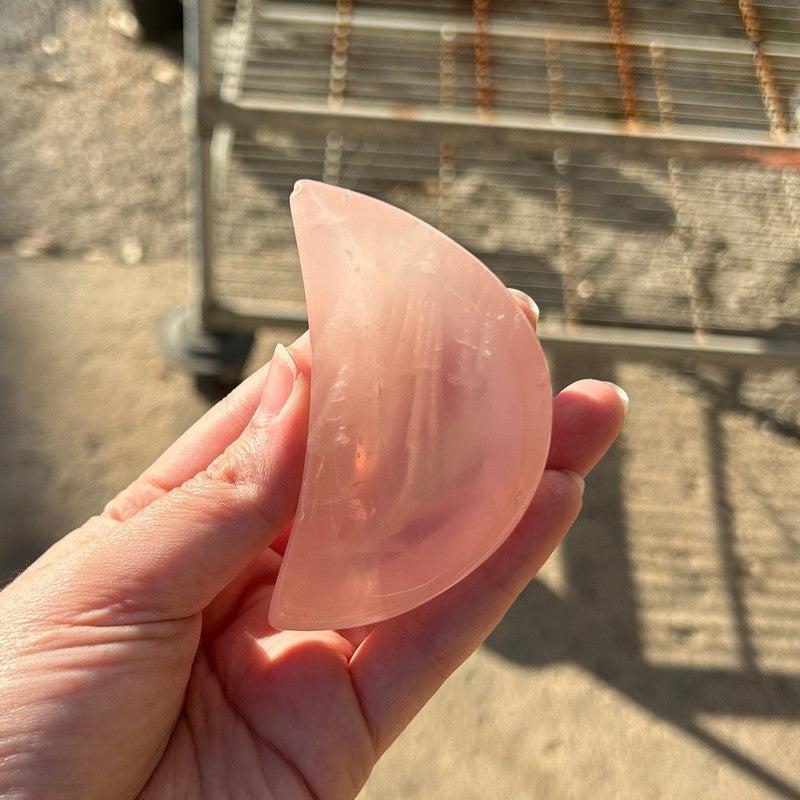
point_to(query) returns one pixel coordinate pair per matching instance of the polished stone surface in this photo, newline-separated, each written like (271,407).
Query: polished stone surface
(430,414)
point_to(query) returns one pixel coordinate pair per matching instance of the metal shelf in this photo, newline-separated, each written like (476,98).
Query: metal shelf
(635,167)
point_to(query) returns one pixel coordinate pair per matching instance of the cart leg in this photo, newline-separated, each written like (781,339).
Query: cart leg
(215,359)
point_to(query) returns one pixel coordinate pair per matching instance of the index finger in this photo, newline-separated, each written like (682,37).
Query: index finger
(195,449)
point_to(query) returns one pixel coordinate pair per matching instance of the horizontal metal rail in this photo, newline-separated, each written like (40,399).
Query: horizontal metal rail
(389,22)
(628,343)
(531,132)
(675,346)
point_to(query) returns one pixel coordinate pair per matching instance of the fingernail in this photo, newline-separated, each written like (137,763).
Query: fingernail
(280,381)
(579,481)
(621,393)
(530,308)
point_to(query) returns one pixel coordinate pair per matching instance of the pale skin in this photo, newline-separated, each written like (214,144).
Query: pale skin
(136,660)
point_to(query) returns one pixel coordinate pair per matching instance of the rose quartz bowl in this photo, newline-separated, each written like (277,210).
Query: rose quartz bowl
(430,415)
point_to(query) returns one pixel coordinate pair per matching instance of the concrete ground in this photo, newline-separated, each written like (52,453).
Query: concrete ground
(658,656)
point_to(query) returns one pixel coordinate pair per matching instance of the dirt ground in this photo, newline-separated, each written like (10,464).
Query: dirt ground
(658,655)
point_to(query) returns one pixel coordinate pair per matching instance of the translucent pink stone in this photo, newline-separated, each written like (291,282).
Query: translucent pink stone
(430,414)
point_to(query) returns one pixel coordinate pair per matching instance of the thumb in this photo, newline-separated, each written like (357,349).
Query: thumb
(173,557)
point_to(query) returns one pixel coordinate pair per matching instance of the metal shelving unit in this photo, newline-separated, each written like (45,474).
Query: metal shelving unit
(633,164)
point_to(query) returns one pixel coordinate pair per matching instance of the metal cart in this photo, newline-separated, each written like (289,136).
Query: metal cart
(634,165)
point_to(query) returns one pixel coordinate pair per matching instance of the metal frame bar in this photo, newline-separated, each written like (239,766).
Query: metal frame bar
(230,91)
(199,87)
(674,346)
(611,341)
(392,21)
(236,55)
(527,132)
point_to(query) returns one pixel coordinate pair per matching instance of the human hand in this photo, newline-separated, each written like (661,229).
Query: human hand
(136,656)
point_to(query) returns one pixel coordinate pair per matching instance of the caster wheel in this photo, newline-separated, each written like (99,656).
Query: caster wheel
(215,359)
(213,389)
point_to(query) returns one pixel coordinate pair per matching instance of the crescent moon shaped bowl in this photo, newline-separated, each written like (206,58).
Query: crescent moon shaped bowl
(430,414)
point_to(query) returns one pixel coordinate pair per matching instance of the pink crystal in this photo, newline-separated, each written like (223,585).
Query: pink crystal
(430,414)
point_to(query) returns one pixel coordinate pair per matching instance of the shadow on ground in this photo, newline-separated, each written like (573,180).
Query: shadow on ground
(597,625)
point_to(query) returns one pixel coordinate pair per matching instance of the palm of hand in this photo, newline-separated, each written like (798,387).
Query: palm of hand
(137,657)
(275,712)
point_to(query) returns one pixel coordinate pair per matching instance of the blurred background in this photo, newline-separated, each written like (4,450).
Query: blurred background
(658,655)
